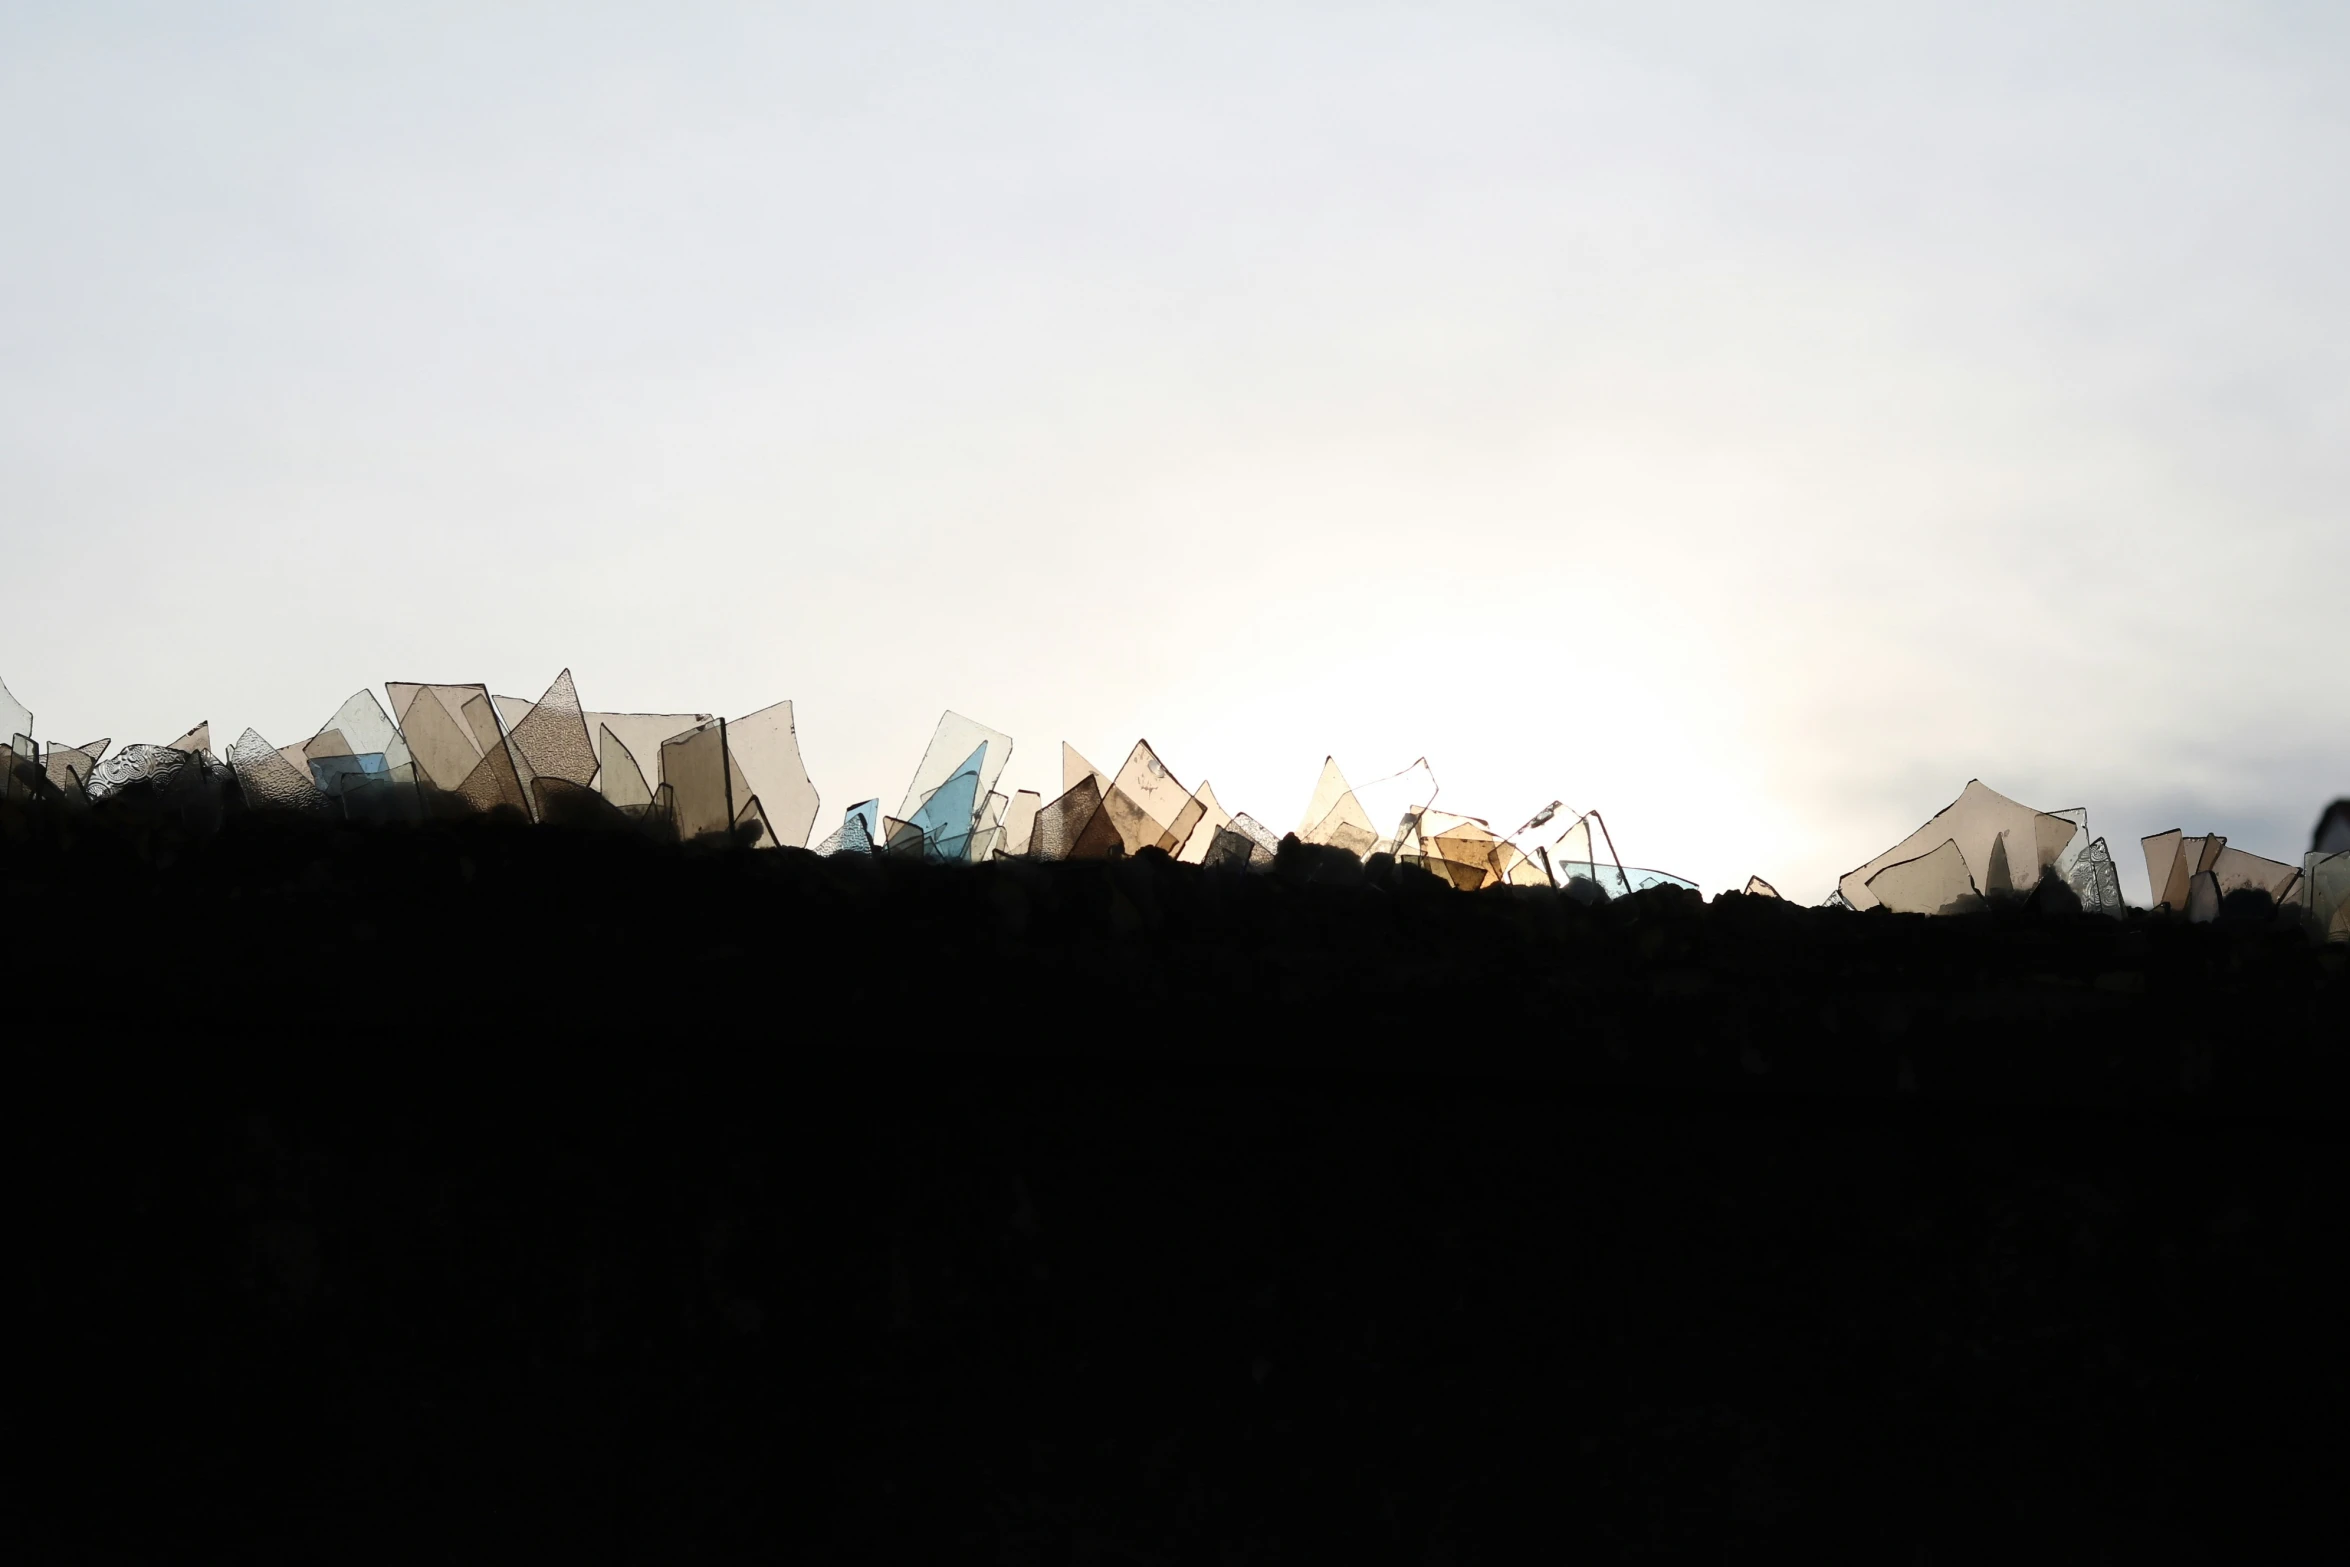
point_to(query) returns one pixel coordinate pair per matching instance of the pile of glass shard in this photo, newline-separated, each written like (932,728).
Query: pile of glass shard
(435,752)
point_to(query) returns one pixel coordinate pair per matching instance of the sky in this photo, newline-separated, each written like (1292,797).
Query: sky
(1751,421)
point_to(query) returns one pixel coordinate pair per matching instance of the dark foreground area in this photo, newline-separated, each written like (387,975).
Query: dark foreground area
(474,1191)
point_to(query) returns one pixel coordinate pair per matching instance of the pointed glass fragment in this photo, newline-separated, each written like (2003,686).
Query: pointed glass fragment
(1936,882)
(1020,821)
(1062,822)
(955,739)
(268,780)
(552,736)
(855,833)
(619,779)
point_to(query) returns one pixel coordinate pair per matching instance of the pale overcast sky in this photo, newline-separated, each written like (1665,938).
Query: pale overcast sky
(1752,420)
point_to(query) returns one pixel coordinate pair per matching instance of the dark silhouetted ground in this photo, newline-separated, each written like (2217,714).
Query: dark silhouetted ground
(473,1191)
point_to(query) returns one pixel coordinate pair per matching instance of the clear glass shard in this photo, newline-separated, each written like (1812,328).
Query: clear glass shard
(15,717)
(1075,769)
(1756,887)
(766,744)
(1020,821)
(946,815)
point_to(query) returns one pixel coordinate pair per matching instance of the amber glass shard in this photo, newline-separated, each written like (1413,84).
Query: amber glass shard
(1975,821)
(268,780)
(552,736)
(2162,852)
(1336,817)
(767,746)
(1265,845)
(951,745)
(1756,887)
(1936,882)
(900,840)
(1075,769)
(694,768)
(855,834)
(1152,791)
(1213,818)
(1186,825)
(1060,823)
(512,710)
(618,778)
(2237,871)
(1020,821)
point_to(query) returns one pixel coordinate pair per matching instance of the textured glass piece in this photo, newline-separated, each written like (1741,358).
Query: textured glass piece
(1756,887)
(1020,821)
(1936,882)
(551,738)
(2095,881)
(766,745)
(69,768)
(951,746)
(15,717)
(1976,822)
(1060,823)
(855,833)
(618,777)
(269,782)
(195,741)
(694,768)
(95,750)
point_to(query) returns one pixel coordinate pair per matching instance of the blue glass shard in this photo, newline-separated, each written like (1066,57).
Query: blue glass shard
(947,815)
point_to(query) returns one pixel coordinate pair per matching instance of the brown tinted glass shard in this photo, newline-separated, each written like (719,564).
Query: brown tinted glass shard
(1756,887)
(2162,852)
(1105,836)
(68,769)
(558,802)
(2238,871)
(1975,822)
(1329,789)
(1060,823)
(642,734)
(619,779)
(1075,769)
(1213,819)
(1936,882)
(767,746)
(751,827)
(268,781)
(443,748)
(695,768)
(1153,792)
(901,839)
(480,716)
